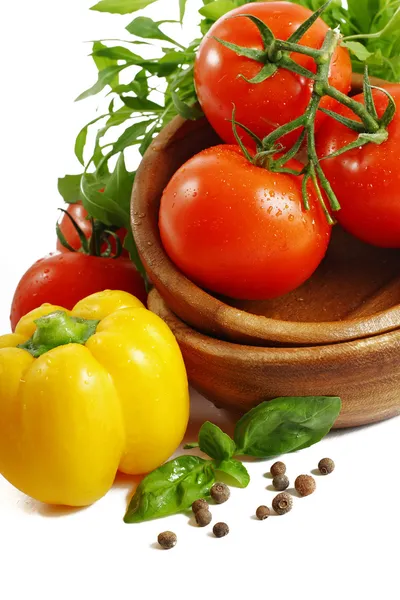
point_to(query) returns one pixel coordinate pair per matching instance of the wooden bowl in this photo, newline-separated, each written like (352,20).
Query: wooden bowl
(355,293)
(364,373)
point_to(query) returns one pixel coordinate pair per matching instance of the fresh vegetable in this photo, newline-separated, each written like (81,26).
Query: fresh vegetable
(85,393)
(66,278)
(274,427)
(239,230)
(78,217)
(265,94)
(365,179)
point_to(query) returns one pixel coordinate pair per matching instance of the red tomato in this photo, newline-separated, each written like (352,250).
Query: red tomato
(79,214)
(264,106)
(64,279)
(239,230)
(366,180)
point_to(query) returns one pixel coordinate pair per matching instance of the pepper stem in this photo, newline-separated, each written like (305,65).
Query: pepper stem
(58,329)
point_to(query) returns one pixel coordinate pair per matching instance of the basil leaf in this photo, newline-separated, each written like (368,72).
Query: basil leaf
(187,112)
(285,424)
(214,442)
(147,28)
(121,7)
(106,76)
(358,50)
(235,470)
(171,488)
(69,187)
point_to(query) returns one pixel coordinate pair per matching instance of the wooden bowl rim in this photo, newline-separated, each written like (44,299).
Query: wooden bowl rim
(337,353)
(216,314)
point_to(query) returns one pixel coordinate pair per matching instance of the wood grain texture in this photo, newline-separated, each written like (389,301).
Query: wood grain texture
(365,373)
(354,294)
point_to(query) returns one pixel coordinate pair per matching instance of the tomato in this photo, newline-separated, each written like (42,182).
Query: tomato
(240,230)
(64,279)
(366,180)
(79,214)
(262,107)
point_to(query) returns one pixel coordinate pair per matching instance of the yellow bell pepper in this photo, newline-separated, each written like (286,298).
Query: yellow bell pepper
(85,393)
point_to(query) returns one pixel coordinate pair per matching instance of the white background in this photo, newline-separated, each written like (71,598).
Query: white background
(343,540)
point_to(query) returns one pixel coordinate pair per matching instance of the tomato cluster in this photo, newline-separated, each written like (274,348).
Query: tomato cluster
(242,231)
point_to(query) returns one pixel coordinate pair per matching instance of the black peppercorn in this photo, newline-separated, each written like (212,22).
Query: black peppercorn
(278,468)
(282,503)
(305,485)
(199,504)
(280,482)
(220,530)
(203,517)
(262,512)
(220,492)
(167,540)
(326,466)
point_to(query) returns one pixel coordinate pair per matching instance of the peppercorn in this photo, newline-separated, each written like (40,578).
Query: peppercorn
(278,468)
(262,512)
(326,466)
(280,482)
(220,530)
(199,504)
(203,517)
(282,503)
(167,540)
(305,485)
(220,492)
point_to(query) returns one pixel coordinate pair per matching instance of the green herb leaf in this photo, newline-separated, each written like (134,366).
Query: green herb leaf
(187,112)
(121,7)
(235,471)
(130,137)
(285,424)
(69,187)
(358,50)
(214,442)
(130,246)
(182,9)
(102,62)
(218,8)
(106,76)
(141,104)
(119,186)
(100,206)
(171,488)
(145,27)
(118,53)
(191,445)
(81,139)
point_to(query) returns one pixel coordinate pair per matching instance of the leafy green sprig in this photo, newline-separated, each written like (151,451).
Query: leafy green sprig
(271,428)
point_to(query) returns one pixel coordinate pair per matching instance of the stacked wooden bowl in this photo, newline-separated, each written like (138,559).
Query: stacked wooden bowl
(338,334)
